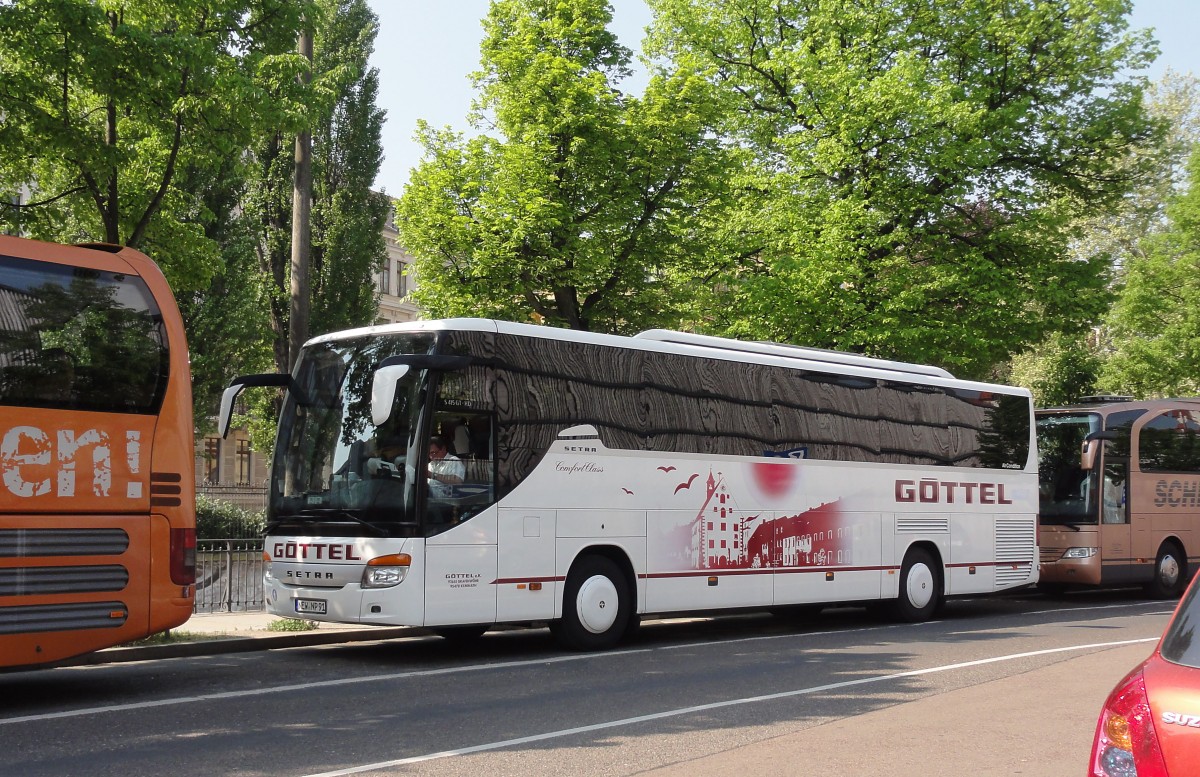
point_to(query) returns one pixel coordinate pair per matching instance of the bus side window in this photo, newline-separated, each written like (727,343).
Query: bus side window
(1114,498)
(468,436)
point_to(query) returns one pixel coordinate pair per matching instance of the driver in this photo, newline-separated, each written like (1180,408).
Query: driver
(445,469)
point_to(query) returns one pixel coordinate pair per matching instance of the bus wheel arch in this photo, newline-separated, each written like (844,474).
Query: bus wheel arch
(1170,570)
(599,600)
(922,585)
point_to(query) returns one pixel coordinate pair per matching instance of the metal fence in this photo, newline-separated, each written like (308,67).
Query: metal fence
(229,575)
(229,571)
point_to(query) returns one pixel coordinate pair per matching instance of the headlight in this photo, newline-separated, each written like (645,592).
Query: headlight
(386,571)
(1079,553)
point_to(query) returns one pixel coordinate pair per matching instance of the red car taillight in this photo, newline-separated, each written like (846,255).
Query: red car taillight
(1126,744)
(183,556)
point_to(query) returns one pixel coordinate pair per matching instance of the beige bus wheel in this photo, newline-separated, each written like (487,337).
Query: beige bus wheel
(1169,572)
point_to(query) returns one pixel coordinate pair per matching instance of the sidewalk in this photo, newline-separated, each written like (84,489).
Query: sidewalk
(240,632)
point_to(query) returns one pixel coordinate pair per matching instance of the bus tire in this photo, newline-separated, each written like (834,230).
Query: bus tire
(920,588)
(597,605)
(1170,572)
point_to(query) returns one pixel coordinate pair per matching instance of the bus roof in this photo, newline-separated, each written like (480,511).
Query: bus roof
(698,346)
(788,351)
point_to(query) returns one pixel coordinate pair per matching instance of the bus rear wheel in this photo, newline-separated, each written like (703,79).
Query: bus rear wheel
(920,588)
(1169,572)
(597,605)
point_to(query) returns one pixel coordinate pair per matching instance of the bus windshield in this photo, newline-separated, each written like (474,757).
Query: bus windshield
(1068,493)
(332,464)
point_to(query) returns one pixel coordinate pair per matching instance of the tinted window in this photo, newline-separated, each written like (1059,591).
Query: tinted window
(1179,643)
(1170,442)
(79,339)
(668,402)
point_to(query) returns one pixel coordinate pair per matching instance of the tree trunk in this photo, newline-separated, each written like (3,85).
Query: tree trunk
(301,229)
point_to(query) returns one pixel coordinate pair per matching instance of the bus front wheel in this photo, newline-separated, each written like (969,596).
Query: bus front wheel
(920,588)
(596,605)
(1169,572)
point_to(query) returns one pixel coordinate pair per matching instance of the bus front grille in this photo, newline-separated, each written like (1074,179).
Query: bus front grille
(62,617)
(33,581)
(34,543)
(1050,555)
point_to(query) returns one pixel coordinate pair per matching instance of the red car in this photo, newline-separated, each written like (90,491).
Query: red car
(1150,725)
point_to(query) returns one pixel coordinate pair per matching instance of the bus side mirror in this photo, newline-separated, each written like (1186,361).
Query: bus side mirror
(237,384)
(1091,448)
(383,391)
(226,415)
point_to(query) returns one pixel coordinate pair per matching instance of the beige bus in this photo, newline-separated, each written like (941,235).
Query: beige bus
(1119,486)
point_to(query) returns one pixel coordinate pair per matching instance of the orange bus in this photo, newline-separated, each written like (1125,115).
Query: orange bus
(97,494)
(1119,486)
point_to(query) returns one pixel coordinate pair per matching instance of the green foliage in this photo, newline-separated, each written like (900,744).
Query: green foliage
(220,520)
(1119,231)
(1155,324)
(291,624)
(588,208)
(347,217)
(227,323)
(921,166)
(171,637)
(105,104)
(1059,371)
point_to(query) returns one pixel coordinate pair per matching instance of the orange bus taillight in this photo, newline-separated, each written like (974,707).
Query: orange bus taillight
(183,556)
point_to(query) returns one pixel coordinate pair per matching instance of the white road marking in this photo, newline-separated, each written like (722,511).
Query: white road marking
(244,693)
(714,706)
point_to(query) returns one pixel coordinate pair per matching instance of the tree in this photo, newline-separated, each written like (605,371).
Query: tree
(347,217)
(106,103)
(923,164)
(1060,371)
(1118,232)
(1155,324)
(589,208)
(1063,368)
(226,323)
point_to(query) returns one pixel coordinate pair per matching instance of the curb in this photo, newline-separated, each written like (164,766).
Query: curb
(225,645)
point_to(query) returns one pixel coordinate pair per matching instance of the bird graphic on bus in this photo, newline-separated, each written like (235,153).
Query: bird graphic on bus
(688,484)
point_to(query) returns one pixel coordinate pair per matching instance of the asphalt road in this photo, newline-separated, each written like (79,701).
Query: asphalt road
(998,686)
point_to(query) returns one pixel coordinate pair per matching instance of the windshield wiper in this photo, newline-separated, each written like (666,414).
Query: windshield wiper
(330,512)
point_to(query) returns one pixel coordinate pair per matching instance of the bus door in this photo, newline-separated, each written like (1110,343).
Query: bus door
(457,477)
(1116,541)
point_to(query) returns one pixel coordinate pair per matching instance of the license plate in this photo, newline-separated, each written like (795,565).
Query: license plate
(311,606)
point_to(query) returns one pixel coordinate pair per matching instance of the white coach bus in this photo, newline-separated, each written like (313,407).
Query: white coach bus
(583,480)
